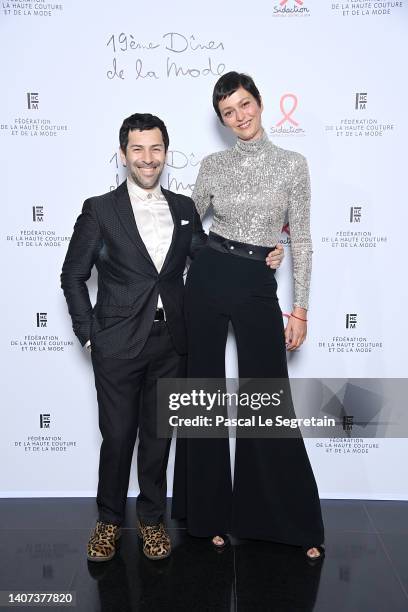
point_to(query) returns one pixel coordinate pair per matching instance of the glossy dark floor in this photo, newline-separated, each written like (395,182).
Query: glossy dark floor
(43,543)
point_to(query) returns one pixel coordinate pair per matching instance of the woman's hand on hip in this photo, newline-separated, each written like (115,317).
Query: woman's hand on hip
(275,257)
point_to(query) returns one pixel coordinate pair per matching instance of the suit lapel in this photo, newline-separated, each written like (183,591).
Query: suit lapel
(125,212)
(127,218)
(171,201)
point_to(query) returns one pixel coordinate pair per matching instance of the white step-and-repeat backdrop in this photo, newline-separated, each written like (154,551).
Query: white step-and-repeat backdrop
(333,79)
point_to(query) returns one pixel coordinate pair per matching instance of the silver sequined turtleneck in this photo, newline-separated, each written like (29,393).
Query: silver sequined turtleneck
(254,188)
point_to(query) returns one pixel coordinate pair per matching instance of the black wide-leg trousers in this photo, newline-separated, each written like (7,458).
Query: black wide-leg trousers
(274,496)
(126,391)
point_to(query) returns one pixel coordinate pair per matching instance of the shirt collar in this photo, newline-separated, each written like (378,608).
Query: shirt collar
(143,194)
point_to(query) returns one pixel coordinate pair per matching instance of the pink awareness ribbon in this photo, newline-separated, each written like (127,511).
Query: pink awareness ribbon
(287,116)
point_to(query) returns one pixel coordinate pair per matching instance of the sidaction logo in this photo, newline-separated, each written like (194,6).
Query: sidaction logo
(291,8)
(287,124)
(287,109)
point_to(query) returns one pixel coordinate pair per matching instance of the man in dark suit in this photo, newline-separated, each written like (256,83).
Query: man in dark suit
(138,237)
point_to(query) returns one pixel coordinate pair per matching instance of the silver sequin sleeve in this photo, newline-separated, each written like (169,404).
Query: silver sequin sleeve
(299,226)
(202,195)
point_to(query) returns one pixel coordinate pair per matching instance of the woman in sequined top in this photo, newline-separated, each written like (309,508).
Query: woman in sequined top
(253,188)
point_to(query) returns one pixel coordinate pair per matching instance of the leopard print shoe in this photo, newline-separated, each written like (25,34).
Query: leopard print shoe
(156,541)
(101,545)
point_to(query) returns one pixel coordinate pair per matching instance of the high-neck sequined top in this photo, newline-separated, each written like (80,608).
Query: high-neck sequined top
(255,188)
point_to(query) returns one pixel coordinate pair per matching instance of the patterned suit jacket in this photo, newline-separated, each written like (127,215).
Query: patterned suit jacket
(106,235)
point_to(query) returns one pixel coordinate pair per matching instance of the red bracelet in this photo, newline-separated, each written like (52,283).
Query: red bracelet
(295,317)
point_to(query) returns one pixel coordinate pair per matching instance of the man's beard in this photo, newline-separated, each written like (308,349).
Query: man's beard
(138,180)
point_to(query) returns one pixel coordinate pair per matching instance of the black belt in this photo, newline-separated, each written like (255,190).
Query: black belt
(242,249)
(159,316)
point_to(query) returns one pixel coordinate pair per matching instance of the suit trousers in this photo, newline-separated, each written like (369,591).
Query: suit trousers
(126,391)
(274,495)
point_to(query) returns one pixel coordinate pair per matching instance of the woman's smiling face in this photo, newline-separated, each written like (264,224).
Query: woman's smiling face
(241,112)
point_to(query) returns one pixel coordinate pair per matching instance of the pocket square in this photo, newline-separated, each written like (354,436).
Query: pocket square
(184,222)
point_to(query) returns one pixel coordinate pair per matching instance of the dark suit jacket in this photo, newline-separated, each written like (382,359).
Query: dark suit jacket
(106,235)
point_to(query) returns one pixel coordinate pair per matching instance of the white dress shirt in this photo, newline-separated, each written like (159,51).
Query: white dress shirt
(154,222)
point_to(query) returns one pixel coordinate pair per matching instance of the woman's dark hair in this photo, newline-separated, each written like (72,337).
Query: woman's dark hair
(228,84)
(141,121)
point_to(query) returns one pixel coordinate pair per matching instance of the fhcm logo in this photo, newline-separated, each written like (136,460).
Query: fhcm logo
(33,101)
